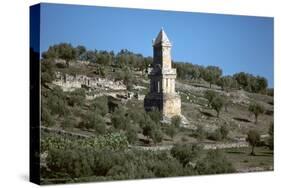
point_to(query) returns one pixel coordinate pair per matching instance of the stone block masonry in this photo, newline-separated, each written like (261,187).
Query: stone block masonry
(162,94)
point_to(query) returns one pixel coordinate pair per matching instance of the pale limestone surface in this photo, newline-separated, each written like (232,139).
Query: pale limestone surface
(162,93)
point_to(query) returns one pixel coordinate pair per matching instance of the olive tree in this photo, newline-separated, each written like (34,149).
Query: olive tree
(253,137)
(256,109)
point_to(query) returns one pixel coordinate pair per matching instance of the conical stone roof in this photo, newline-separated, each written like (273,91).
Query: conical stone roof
(162,39)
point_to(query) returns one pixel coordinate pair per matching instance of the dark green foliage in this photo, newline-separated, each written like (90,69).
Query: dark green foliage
(188,70)
(119,119)
(138,116)
(77,97)
(210,95)
(55,101)
(77,161)
(47,71)
(63,51)
(171,130)
(80,51)
(155,115)
(251,83)
(217,104)
(185,153)
(100,105)
(253,137)
(260,85)
(214,163)
(100,126)
(128,80)
(151,129)
(224,131)
(68,122)
(176,121)
(256,109)
(47,119)
(227,82)
(132,135)
(156,134)
(212,74)
(93,120)
(88,56)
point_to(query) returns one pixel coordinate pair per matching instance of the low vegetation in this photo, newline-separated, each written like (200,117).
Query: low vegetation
(98,139)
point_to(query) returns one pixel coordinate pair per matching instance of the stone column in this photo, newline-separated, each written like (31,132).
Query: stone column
(173,86)
(164,85)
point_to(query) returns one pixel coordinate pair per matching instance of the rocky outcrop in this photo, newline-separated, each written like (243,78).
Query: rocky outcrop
(70,83)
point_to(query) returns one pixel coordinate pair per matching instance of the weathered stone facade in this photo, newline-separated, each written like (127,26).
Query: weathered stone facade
(162,93)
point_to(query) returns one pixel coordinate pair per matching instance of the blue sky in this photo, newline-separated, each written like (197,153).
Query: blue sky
(234,43)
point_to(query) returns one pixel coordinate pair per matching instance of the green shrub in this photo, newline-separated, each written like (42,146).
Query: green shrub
(47,118)
(217,104)
(185,153)
(214,163)
(256,109)
(155,115)
(224,130)
(77,97)
(171,131)
(253,137)
(176,121)
(100,105)
(132,135)
(119,119)
(68,122)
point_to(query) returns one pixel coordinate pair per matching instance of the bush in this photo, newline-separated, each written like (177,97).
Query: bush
(156,135)
(155,115)
(119,119)
(47,118)
(152,130)
(256,109)
(167,168)
(132,135)
(47,72)
(224,131)
(185,153)
(210,95)
(68,122)
(171,131)
(217,104)
(93,121)
(100,105)
(176,121)
(253,137)
(214,163)
(77,97)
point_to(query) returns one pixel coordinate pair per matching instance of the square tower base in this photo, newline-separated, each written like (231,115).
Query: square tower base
(168,104)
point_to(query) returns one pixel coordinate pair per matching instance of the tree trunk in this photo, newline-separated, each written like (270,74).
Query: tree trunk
(210,85)
(256,119)
(253,152)
(218,114)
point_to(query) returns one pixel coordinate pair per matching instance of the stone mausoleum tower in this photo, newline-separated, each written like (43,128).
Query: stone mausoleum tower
(162,93)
